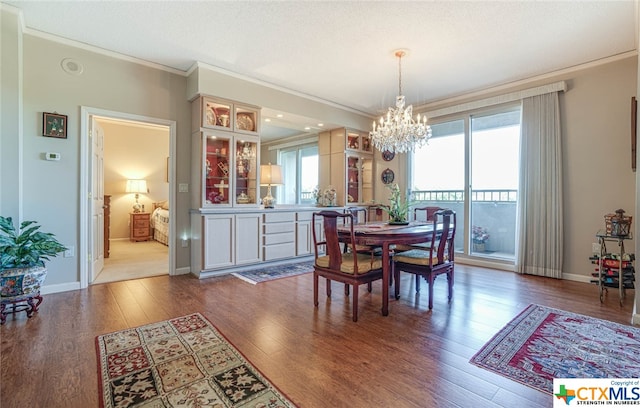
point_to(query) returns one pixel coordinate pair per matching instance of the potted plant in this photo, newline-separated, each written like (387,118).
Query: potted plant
(398,209)
(22,268)
(479,236)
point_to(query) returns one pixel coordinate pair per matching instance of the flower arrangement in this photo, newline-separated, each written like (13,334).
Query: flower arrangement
(479,235)
(330,197)
(399,209)
(317,195)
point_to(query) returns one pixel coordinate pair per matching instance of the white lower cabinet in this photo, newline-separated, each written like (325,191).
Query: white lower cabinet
(279,235)
(225,242)
(304,239)
(247,239)
(217,247)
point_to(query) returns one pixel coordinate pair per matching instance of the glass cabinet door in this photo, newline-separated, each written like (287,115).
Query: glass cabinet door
(367,180)
(353,179)
(359,179)
(217,170)
(246,171)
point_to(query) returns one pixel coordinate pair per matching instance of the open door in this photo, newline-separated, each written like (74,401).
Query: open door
(96,190)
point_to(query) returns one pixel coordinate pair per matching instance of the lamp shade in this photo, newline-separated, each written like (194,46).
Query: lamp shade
(137,186)
(270,174)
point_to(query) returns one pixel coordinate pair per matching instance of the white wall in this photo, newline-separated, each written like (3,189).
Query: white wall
(51,188)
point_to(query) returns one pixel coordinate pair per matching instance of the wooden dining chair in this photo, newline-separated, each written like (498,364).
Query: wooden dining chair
(420,214)
(353,268)
(437,259)
(428,211)
(359,214)
(378,213)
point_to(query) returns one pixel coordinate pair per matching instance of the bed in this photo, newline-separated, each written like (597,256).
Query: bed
(160,222)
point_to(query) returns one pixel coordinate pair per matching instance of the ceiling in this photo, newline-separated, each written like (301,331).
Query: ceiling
(343,51)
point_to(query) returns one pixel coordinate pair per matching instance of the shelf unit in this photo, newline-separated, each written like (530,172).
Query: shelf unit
(346,163)
(614,269)
(225,152)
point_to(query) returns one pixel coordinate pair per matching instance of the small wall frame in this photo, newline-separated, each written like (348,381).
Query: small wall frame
(54,125)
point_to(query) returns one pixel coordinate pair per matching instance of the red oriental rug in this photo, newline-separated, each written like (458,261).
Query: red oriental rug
(181,362)
(541,344)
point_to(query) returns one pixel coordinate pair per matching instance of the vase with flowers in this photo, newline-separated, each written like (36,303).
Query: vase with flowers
(479,237)
(398,208)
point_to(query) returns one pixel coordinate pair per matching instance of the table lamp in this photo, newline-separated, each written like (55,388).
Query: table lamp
(270,174)
(137,187)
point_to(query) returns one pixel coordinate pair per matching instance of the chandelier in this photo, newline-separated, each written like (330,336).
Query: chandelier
(398,131)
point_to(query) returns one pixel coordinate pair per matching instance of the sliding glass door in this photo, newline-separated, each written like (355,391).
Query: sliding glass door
(471,166)
(494,183)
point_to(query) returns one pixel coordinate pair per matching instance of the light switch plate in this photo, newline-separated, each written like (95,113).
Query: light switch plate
(183,188)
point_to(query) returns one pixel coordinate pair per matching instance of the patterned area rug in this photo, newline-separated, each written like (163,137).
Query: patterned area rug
(182,362)
(541,344)
(274,272)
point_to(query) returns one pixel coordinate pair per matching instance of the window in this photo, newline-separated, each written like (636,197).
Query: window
(471,165)
(300,172)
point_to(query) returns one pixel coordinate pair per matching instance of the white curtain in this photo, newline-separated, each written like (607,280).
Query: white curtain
(540,224)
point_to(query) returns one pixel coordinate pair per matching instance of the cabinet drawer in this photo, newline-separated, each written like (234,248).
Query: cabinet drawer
(279,217)
(279,227)
(140,223)
(304,216)
(279,238)
(140,232)
(279,251)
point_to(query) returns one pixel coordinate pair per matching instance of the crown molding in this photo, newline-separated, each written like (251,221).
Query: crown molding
(466,97)
(203,65)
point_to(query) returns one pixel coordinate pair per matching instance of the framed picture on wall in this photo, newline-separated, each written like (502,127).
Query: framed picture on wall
(54,125)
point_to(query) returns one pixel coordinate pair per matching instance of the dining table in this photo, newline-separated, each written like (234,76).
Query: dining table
(385,235)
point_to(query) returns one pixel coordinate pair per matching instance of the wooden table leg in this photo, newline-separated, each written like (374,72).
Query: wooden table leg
(385,279)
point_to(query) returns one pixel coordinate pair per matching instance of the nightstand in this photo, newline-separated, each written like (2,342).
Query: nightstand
(140,226)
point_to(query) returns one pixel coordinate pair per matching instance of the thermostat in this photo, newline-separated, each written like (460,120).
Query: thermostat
(52,156)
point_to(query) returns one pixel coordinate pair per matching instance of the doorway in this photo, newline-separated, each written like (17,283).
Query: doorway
(117,148)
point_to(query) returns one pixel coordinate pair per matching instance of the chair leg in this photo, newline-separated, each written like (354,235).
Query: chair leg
(431,278)
(417,283)
(369,287)
(346,289)
(450,283)
(396,281)
(315,289)
(328,287)
(355,303)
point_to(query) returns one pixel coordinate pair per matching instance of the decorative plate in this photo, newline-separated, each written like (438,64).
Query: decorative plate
(244,121)
(388,156)
(387,176)
(211,117)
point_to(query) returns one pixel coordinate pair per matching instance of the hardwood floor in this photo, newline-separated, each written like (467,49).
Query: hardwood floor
(317,357)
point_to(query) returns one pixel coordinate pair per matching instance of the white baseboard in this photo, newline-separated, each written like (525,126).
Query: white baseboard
(183,271)
(577,278)
(60,287)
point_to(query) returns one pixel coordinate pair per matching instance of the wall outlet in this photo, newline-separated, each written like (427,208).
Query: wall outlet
(183,188)
(595,247)
(70,252)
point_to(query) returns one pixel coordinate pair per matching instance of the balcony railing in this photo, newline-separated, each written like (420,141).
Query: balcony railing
(493,210)
(456,196)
